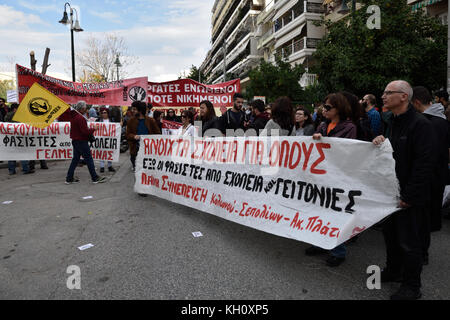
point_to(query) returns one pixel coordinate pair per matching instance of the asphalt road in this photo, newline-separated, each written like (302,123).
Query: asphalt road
(144,248)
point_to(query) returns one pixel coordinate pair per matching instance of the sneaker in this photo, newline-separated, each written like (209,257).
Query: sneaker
(407,293)
(99,180)
(388,276)
(74,180)
(102,170)
(133,169)
(333,261)
(44,167)
(12,173)
(28,172)
(111,169)
(313,251)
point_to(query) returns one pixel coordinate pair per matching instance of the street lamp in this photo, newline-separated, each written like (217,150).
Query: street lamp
(74,26)
(118,64)
(345,9)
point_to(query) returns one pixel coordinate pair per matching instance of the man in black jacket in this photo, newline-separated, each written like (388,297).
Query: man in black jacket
(234,118)
(413,153)
(422,101)
(260,117)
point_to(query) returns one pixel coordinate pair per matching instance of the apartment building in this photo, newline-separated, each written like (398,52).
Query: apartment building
(434,8)
(234,40)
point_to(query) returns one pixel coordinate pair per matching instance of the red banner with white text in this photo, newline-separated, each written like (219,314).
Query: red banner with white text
(189,93)
(117,93)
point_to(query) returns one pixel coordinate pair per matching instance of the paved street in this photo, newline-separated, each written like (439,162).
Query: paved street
(144,248)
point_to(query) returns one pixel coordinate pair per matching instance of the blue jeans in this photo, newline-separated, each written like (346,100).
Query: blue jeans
(102,164)
(81,148)
(12,166)
(340,251)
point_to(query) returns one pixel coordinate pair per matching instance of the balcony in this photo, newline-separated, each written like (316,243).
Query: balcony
(298,48)
(293,15)
(265,38)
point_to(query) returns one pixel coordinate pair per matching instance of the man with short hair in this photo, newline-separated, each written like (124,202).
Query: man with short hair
(413,153)
(369,102)
(79,133)
(260,117)
(422,102)
(233,118)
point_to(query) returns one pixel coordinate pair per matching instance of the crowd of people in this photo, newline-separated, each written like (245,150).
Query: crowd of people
(415,122)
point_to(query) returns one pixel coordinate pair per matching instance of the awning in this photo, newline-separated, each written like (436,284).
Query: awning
(289,36)
(424,3)
(285,9)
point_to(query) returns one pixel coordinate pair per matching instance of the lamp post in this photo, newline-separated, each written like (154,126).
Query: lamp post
(73,27)
(118,64)
(345,9)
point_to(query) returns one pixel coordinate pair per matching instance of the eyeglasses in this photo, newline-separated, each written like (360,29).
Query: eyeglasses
(328,107)
(391,92)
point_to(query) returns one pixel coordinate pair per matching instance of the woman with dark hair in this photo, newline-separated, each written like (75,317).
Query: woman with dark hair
(337,113)
(171,116)
(283,119)
(208,119)
(157,116)
(359,118)
(187,119)
(303,122)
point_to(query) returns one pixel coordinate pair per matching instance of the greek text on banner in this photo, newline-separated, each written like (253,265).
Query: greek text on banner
(322,192)
(19,141)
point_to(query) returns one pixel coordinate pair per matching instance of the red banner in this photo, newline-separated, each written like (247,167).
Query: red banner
(117,93)
(189,93)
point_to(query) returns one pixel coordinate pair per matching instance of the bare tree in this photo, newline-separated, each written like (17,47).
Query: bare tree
(96,61)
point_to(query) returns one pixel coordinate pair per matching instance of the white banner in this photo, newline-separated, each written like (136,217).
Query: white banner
(12,96)
(19,141)
(320,192)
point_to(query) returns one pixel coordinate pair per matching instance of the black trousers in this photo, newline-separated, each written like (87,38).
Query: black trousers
(404,233)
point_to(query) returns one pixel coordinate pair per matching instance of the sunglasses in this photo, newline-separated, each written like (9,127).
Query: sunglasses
(328,107)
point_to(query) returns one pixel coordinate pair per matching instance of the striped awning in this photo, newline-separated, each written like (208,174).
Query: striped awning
(424,3)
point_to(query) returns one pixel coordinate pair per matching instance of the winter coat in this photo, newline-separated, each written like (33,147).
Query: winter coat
(79,130)
(344,129)
(132,127)
(414,157)
(209,124)
(259,123)
(226,121)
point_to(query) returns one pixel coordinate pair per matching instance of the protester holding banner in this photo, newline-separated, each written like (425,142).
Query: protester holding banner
(104,118)
(139,126)
(303,122)
(413,153)
(79,133)
(208,118)
(283,119)
(233,119)
(12,164)
(337,111)
(187,129)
